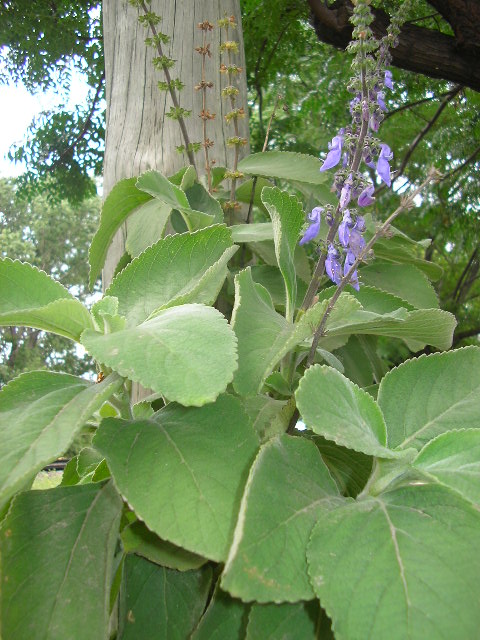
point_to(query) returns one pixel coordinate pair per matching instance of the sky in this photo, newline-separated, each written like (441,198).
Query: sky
(17,110)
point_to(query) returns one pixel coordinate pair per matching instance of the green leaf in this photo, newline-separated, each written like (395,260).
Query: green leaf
(122,200)
(427,396)
(420,327)
(399,250)
(350,469)
(287,218)
(153,183)
(266,251)
(225,619)
(189,267)
(200,200)
(453,459)
(244,192)
(194,463)
(57,551)
(334,407)
(137,538)
(378,301)
(172,352)
(402,280)
(269,417)
(400,566)
(287,485)
(254,232)
(40,413)
(146,225)
(160,602)
(271,278)
(286,621)
(30,298)
(264,336)
(284,164)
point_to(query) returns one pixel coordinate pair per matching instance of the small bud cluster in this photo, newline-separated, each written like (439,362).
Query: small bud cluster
(355,144)
(164,63)
(203,86)
(230,48)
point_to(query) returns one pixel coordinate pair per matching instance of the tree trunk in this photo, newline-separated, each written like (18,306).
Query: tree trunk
(139,136)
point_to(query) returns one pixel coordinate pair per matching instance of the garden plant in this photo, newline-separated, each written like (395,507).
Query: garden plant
(273,477)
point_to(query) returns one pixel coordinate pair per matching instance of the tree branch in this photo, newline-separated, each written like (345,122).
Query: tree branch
(420,49)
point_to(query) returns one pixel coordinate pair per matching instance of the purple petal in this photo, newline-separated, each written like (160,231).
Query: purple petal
(311,233)
(349,260)
(381,101)
(383,166)
(356,242)
(333,266)
(365,199)
(334,155)
(344,229)
(360,224)
(388,79)
(346,192)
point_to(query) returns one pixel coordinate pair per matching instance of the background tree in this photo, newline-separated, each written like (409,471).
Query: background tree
(54,238)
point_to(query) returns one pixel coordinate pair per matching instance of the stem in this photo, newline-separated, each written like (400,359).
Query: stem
(320,266)
(204,120)
(407,203)
(172,91)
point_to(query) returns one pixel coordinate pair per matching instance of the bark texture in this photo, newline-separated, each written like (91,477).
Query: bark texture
(427,51)
(139,136)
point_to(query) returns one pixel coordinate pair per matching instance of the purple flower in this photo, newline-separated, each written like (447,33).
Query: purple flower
(374,122)
(335,152)
(383,166)
(346,193)
(344,228)
(349,261)
(333,266)
(365,199)
(314,228)
(388,79)
(356,242)
(381,101)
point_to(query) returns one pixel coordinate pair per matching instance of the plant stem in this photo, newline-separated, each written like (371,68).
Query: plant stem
(173,94)
(204,119)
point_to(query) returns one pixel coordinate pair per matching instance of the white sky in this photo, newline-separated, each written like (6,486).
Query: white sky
(17,110)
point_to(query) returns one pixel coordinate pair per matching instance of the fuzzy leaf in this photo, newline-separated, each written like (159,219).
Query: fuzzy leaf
(194,463)
(287,485)
(172,352)
(403,565)
(30,298)
(430,395)
(40,413)
(189,267)
(122,200)
(57,551)
(285,165)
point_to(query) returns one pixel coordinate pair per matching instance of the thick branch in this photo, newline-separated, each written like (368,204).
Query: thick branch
(420,49)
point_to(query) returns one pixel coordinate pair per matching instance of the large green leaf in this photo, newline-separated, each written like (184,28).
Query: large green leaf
(350,469)
(269,417)
(334,407)
(122,200)
(264,336)
(285,491)
(402,566)
(427,396)
(40,412)
(453,459)
(160,187)
(160,602)
(184,473)
(398,249)
(57,551)
(189,267)
(271,278)
(255,232)
(137,538)
(287,621)
(417,328)
(225,619)
(145,226)
(284,164)
(186,353)
(287,218)
(30,298)
(402,280)
(200,200)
